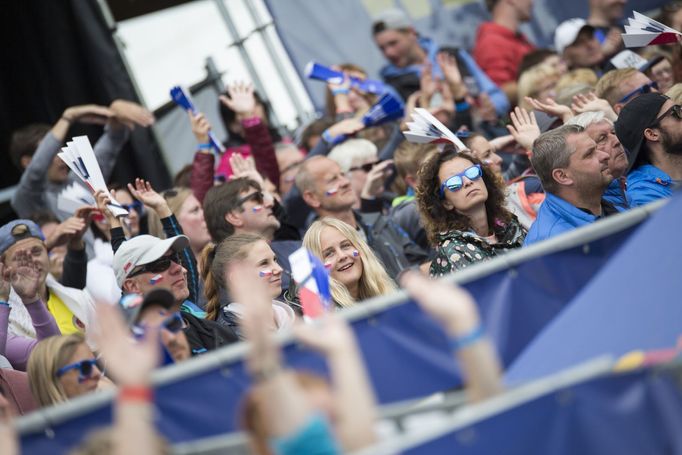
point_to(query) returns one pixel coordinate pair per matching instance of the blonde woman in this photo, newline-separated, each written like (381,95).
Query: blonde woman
(537,82)
(356,273)
(61,368)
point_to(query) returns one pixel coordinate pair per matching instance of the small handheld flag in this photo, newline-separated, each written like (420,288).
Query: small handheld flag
(80,158)
(643,31)
(183,99)
(312,278)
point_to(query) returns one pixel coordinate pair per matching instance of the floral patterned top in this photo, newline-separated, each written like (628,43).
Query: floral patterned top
(457,250)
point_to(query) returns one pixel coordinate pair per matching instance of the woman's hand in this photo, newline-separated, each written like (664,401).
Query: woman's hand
(551,107)
(200,127)
(25,276)
(524,127)
(143,192)
(241,100)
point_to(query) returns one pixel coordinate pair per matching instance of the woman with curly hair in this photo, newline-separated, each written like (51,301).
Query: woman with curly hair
(462,205)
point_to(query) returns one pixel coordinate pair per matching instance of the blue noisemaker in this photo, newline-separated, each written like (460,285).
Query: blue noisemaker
(387,109)
(322,73)
(183,99)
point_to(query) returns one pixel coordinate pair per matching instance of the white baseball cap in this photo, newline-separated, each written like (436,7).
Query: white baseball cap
(142,250)
(567,32)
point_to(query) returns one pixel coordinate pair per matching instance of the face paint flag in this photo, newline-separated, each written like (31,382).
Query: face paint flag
(322,73)
(427,129)
(313,282)
(387,109)
(183,99)
(643,31)
(73,197)
(80,158)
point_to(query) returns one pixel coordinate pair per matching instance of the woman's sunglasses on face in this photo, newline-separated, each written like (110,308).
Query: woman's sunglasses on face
(456,182)
(85,369)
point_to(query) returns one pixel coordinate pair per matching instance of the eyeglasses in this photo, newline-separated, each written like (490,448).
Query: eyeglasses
(675,111)
(365,167)
(256,196)
(160,265)
(136,205)
(174,324)
(455,182)
(85,369)
(646,88)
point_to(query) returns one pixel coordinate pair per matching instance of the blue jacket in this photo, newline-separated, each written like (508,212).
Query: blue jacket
(555,217)
(648,183)
(616,196)
(485,84)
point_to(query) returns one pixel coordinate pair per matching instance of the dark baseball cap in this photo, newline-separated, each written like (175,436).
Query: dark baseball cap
(133,304)
(636,116)
(17,230)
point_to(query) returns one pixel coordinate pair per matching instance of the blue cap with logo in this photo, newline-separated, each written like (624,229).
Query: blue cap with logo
(17,230)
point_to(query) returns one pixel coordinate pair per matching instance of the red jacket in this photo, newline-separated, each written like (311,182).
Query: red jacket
(498,51)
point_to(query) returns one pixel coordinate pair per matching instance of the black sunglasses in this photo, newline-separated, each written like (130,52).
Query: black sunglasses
(256,196)
(675,111)
(365,167)
(160,265)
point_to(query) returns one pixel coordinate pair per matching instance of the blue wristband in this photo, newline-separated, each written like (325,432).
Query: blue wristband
(332,140)
(340,91)
(462,106)
(467,340)
(205,146)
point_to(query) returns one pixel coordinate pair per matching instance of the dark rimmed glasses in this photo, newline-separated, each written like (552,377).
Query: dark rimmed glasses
(160,265)
(256,196)
(456,182)
(365,167)
(646,88)
(675,111)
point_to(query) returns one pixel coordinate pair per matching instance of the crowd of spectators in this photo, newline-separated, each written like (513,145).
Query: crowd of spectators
(555,139)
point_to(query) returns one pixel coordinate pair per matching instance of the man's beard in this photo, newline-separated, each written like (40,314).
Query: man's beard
(670,144)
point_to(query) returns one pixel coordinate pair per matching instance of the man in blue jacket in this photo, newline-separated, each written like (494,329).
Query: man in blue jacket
(650,129)
(406,52)
(574,174)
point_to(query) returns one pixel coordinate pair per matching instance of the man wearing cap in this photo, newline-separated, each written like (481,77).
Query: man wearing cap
(145,263)
(576,42)
(620,86)
(71,308)
(500,46)
(574,174)
(407,52)
(650,129)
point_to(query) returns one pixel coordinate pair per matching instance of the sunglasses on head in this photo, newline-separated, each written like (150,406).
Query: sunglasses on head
(365,167)
(675,111)
(85,369)
(256,196)
(456,182)
(160,265)
(646,88)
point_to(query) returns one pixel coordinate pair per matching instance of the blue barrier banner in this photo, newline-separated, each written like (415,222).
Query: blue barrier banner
(633,303)
(405,352)
(634,413)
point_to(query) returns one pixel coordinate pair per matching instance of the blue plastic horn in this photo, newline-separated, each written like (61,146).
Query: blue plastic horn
(323,73)
(183,99)
(387,109)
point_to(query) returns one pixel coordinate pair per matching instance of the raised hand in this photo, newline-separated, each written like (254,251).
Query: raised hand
(524,127)
(241,100)
(486,109)
(590,102)
(130,362)
(200,127)
(131,114)
(448,65)
(346,127)
(88,113)
(25,276)
(143,192)
(245,167)
(427,85)
(65,231)
(103,200)
(376,178)
(551,107)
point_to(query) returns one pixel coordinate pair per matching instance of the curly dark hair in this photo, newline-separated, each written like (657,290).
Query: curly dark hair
(435,216)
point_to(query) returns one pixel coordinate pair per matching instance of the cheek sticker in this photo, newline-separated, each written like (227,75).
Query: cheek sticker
(155,279)
(356,253)
(264,273)
(257,209)
(332,191)
(327,265)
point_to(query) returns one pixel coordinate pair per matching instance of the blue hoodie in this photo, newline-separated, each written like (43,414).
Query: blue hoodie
(485,84)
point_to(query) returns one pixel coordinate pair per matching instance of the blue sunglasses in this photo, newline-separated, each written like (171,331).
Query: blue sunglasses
(455,182)
(84,367)
(646,88)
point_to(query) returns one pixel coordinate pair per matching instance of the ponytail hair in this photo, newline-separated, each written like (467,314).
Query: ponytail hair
(211,291)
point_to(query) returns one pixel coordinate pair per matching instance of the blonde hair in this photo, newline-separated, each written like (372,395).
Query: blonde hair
(675,93)
(608,86)
(48,356)
(214,260)
(374,280)
(579,76)
(531,79)
(351,151)
(175,197)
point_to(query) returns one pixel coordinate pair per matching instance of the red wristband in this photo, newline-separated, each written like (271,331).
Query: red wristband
(136,393)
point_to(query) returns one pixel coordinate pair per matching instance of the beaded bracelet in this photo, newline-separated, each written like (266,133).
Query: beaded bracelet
(467,340)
